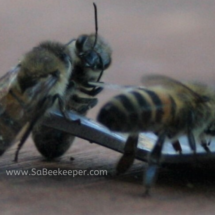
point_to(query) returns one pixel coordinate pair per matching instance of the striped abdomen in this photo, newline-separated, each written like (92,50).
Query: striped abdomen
(141,110)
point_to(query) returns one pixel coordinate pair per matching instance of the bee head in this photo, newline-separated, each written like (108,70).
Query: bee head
(88,49)
(85,51)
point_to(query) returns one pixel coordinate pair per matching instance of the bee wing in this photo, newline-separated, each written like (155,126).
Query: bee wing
(37,106)
(38,91)
(170,83)
(7,80)
(41,89)
(5,84)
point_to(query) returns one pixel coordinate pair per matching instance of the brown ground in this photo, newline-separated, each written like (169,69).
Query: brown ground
(172,37)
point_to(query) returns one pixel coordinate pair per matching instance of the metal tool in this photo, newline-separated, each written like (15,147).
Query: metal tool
(96,133)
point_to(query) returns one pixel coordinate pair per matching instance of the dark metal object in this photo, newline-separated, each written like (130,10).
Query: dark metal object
(96,133)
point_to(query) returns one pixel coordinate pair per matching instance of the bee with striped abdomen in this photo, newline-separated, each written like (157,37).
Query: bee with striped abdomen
(165,107)
(35,86)
(91,55)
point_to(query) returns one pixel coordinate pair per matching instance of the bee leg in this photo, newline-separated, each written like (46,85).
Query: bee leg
(190,136)
(62,106)
(91,102)
(154,160)
(191,141)
(204,144)
(93,92)
(177,146)
(129,154)
(24,137)
(83,109)
(41,108)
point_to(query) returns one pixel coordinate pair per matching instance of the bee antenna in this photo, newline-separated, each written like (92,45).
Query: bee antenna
(96,24)
(96,36)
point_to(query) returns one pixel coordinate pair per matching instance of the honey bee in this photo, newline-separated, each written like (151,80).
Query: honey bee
(31,89)
(166,107)
(91,56)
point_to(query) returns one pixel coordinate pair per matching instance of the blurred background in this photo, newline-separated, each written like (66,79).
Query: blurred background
(171,37)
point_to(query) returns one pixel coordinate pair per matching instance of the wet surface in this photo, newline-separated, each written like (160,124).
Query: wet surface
(174,38)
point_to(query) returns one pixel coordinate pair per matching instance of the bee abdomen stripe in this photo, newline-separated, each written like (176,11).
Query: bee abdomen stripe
(158,105)
(129,107)
(125,101)
(144,106)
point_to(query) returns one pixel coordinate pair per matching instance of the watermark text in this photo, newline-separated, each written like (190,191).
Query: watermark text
(56,172)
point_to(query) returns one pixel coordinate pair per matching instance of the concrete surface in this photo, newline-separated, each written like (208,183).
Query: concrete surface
(172,37)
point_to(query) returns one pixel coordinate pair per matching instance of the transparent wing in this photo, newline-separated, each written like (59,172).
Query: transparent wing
(171,84)
(7,80)
(5,84)
(41,100)
(41,90)
(37,93)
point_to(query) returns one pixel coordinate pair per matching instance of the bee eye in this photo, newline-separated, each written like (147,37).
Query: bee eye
(90,59)
(80,42)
